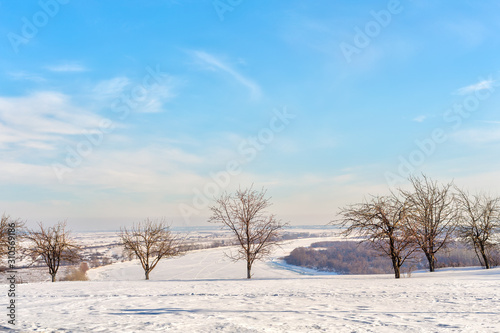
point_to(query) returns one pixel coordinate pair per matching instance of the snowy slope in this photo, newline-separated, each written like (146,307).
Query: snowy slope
(201,264)
(204,291)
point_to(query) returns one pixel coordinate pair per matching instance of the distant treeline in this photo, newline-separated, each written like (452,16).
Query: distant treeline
(351,257)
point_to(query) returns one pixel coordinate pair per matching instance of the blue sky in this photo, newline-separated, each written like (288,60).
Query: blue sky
(111,112)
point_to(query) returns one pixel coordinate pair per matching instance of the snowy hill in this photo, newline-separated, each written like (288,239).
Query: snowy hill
(204,291)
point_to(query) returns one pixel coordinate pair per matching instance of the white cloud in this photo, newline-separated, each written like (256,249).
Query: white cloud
(145,170)
(479,135)
(481,85)
(42,120)
(66,67)
(25,173)
(148,169)
(110,89)
(155,99)
(420,118)
(150,100)
(26,76)
(214,63)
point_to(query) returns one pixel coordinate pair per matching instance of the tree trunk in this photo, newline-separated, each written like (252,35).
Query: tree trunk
(53,277)
(395,266)
(249,269)
(432,262)
(485,259)
(397,273)
(486,262)
(147,275)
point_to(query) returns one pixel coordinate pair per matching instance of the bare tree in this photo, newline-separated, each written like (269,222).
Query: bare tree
(433,217)
(244,213)
(11,232)
(150,241)
(480,220)
(381,221)
(52,246)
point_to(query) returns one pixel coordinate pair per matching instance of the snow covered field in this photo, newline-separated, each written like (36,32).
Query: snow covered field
(204,291)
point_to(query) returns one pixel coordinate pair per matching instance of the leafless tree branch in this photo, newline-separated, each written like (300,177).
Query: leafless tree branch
(52,246)
(150,241)
(381,221)
(480,220)
(433,215)
(244,213)
(16,229)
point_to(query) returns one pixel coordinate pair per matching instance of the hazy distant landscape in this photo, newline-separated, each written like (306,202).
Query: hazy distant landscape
(102,248)
(247,166)
(204,291)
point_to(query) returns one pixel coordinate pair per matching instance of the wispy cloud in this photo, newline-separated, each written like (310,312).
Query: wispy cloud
(66,67)
(41,120)
(156,98)
(420,118)
(215,63)
(150,100)
(22,75)
(481,85)
(110,89)
(479,135)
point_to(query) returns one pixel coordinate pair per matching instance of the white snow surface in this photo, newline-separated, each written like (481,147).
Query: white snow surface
(204,291)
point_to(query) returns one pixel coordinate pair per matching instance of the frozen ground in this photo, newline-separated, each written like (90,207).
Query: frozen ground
(205,292)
